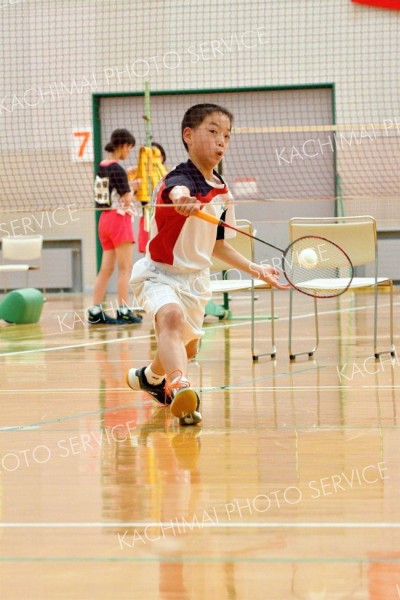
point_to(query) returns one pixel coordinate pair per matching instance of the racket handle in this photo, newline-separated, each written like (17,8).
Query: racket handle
(206,217)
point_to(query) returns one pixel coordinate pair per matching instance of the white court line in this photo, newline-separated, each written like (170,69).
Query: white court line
(386,387)
(291,387)
(206,525)
(144,337)
(83,345)
(72,390)
(223,389)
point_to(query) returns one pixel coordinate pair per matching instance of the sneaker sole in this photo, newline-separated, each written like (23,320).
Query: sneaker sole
(122,321)
(184,402)
(128,383)
(190,420)
(101,323)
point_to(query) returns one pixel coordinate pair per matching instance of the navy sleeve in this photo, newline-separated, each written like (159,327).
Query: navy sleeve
(119,180)
(221,228)
(173,179)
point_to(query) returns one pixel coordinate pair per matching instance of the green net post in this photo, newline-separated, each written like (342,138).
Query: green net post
(97,159)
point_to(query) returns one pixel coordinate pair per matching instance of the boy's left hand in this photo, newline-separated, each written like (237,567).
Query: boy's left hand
(271,275)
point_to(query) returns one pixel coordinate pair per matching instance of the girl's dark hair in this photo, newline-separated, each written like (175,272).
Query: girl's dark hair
(161,149)
(196,114)
(119,137)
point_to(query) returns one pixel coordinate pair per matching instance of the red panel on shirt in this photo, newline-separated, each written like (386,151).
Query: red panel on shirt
(211,194)
(393,4)
(161,248)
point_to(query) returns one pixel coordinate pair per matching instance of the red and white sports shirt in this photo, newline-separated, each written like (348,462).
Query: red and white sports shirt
(187,243)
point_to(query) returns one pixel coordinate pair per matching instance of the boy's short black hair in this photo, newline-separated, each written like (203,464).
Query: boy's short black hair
(196,114)
(119,137)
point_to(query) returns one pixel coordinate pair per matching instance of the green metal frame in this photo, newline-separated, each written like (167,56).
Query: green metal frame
(97,153)
(339,206)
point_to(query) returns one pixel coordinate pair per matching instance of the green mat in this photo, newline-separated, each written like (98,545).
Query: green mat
(22,306)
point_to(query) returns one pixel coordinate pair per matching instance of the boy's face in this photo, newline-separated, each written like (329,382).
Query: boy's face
(208,142)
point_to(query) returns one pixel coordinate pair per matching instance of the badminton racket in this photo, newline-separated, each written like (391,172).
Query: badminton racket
(312,265)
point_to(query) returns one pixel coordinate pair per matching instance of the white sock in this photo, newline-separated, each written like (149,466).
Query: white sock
(152,377)
(95,309)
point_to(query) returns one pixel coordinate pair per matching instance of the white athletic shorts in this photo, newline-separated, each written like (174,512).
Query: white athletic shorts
(155,285)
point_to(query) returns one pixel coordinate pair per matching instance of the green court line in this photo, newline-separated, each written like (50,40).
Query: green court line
(208,525)
(114,409)
(202,559)
(66,418)
(269,429)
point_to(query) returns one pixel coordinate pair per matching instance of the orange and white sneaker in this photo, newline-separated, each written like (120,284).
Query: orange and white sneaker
(185,401)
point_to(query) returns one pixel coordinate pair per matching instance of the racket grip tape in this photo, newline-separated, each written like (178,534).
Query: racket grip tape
(206,217)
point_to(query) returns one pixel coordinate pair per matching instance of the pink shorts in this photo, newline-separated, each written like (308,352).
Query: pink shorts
(115,229)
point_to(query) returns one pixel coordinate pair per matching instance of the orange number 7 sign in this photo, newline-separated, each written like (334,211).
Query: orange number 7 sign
(82,149)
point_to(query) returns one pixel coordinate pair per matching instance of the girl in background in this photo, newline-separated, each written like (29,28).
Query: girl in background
(114,197)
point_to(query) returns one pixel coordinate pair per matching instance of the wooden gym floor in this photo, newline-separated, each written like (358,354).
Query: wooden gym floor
(289,489)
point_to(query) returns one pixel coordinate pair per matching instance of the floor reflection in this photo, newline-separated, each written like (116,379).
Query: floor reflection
(150,475)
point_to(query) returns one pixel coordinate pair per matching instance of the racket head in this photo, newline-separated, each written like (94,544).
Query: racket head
(317,267)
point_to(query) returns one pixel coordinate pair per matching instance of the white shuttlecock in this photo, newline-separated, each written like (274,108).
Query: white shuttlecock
(308,258)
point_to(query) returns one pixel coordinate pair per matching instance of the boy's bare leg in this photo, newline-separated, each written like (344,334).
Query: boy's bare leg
(171,352)
(170,360)
(192,348)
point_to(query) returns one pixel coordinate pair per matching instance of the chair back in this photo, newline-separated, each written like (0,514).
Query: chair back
(241,243)
(356,235)
(22,248)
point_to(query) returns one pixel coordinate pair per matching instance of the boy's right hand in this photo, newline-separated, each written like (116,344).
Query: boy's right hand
(183,202)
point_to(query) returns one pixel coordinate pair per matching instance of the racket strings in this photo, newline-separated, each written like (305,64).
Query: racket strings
(317,267)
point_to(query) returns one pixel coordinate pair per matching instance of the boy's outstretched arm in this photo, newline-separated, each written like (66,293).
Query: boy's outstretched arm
(224,251)
(183,202)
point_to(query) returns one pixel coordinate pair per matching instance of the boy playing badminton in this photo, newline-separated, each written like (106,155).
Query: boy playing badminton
(172,280)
